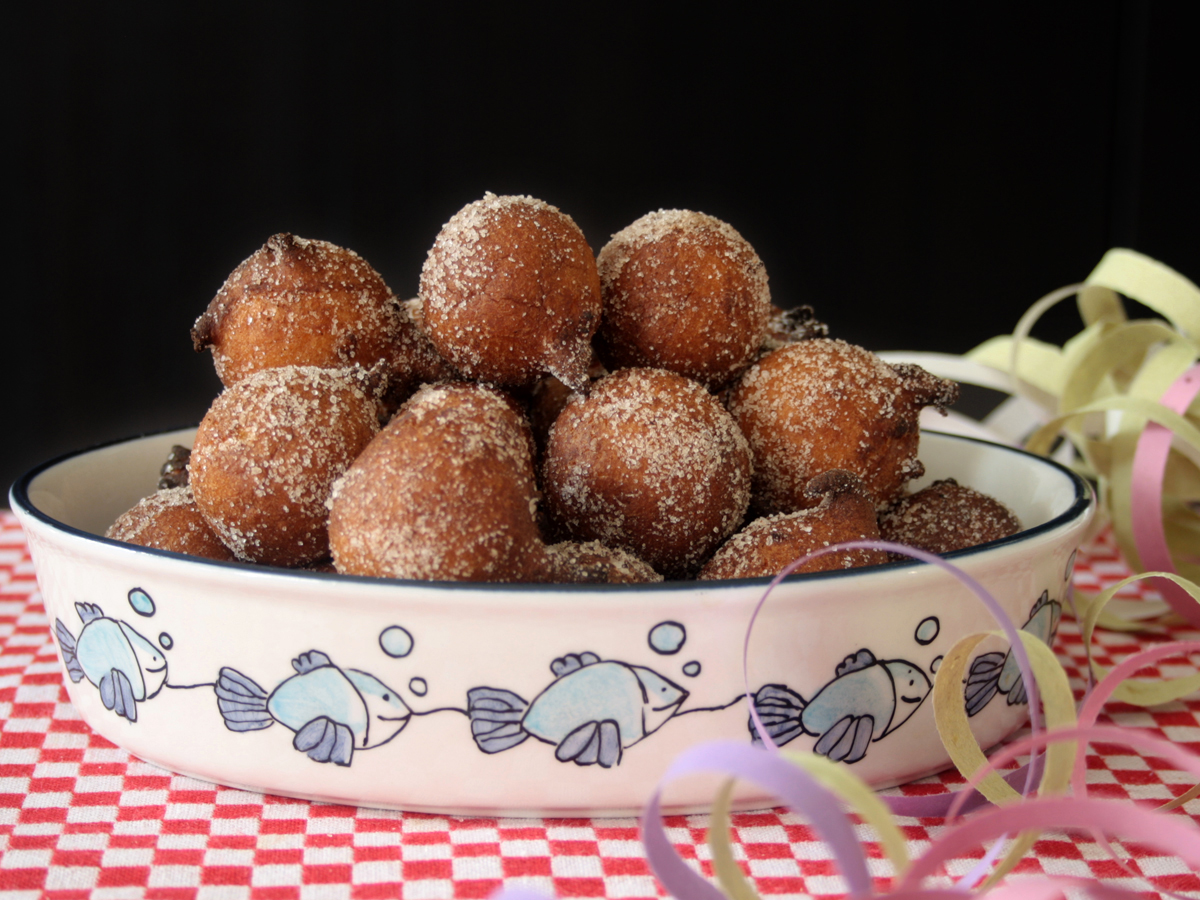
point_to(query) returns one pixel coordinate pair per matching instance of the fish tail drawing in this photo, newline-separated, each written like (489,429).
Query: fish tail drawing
(66,643)
(243,703)
(780,709)
(983,680)
(495,716)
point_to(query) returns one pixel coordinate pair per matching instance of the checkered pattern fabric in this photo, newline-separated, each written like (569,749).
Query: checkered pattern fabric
(82,818)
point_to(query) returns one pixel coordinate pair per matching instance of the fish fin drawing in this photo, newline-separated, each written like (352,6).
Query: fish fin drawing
(572,662)
(1017,693)
(66,643)
(860,660)
(313,659)
(592,743)
(116,693)
(88,611)
(779,708)
(847,740)
(983,680)
(243,703)
(325,740)
(495,716)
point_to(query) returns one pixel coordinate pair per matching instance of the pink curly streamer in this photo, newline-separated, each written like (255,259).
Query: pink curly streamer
(1149,464)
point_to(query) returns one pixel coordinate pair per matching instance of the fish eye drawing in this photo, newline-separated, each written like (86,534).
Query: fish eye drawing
(866,701)
(996,672)
(113,656)
(591,712)
(333,711)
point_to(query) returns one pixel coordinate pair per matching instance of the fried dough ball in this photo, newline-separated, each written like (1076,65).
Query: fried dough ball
(298,302)
(824,404)
(445,492)
(414,360)
(947,516)
(683,291)
(268,451)
(572,562)
(510,293)
(174,471)
(846,512)
(169,520)
(649,462)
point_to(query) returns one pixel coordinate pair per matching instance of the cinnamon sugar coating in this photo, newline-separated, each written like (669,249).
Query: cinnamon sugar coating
(649,462)
(298,302)
(683,291)
(824,404)
(268,451)
(572,562)
(845,512)
(169,520)
(445,492)
(510,292)
(947,516)
(414,360)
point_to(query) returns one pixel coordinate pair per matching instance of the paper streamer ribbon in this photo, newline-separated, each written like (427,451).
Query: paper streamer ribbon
(1149,467)
(1121,391)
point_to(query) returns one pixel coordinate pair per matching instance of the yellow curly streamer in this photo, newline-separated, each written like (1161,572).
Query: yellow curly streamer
(1103,386)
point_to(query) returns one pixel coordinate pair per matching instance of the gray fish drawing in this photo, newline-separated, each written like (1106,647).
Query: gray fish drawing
(866,701)
(333,711)
(122,663)
(591,712)
(997,672)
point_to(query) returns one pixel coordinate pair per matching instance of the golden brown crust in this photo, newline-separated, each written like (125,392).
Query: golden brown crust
(267,453)
(298,302)
(846,512)
(169,520)
(683,291)
(824,404)
(445,492)
(510,292)
(649,462)
(947,516)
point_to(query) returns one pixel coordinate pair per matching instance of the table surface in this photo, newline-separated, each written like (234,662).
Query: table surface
(79,817)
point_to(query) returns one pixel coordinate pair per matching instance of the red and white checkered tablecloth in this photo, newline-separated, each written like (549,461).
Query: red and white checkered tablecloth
(80,817)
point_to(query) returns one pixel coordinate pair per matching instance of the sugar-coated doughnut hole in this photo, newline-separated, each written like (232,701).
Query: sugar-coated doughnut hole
(649,462)
(445,492)
(298,302)
(268,451)
(683,291)
(510,292)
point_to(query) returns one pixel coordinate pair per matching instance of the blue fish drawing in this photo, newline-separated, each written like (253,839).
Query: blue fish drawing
(122,663)
(997,672)
(866,701)
(591,712)
(333,711)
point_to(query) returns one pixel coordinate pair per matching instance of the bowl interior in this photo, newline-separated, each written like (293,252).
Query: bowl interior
(88,490)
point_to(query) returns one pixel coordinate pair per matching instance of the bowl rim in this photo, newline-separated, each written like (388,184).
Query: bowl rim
(21,503)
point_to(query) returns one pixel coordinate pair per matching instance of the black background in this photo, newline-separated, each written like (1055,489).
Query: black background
(919,177)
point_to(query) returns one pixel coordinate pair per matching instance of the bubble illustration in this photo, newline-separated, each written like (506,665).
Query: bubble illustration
(935,665)
(166,641)
(141,602)
(667,638)
(927,631)
(396,641)
(419,687)
(692,669)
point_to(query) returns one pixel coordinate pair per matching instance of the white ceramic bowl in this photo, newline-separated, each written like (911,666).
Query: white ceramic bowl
(520,699)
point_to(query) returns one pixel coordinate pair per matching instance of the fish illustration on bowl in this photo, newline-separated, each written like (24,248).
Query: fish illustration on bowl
(866,701)
(592,712)
(333,711)
(126,667)
(996,672)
